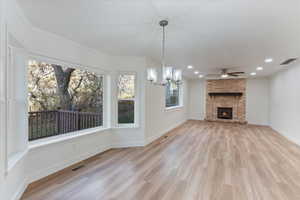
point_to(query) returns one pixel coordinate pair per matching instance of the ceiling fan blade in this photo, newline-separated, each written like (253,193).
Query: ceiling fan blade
(235,75)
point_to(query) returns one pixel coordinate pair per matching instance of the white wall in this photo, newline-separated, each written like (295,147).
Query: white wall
(158,119)
(285,102)
(44,160)
(2,92)
(197,99)
(257,101)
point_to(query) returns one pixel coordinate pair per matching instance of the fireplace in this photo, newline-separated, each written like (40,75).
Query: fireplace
(224,113)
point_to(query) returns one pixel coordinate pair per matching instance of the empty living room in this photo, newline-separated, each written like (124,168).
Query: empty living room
(149,100)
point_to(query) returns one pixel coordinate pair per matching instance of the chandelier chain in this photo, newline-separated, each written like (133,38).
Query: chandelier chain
(163,46)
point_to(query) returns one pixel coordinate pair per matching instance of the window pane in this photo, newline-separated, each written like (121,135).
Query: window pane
(62,100)
(172,95)
(126,101)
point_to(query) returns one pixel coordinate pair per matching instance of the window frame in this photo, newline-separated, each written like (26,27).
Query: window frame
(180,98)
(106,92)
(136,100)
(13,101)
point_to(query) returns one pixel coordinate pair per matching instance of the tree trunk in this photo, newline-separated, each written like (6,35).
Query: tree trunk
(63,79)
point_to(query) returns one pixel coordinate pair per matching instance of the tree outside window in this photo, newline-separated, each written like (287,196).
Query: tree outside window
(62,99)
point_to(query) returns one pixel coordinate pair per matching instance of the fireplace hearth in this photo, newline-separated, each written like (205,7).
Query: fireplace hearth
(224,113)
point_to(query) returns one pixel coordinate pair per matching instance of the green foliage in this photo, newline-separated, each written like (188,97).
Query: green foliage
(125,111)
(85,89)
(42,88)
(126,87)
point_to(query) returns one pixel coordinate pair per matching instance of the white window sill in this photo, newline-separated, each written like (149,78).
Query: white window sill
(120,126)
(13,160)
(173,108)
(63,137)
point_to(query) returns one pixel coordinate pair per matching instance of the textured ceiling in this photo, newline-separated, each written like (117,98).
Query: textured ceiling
(208,34)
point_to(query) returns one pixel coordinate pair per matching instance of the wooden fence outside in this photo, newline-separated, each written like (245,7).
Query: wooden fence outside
(44,124)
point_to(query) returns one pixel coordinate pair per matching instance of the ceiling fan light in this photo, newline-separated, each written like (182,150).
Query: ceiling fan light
(224,75)
(268,60)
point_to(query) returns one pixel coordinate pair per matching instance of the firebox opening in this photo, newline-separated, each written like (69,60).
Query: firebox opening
(224,113)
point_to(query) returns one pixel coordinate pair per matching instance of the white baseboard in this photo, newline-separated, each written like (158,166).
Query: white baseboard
(287,136)
(196,119)
(66,163)
(128,144)
(156,136)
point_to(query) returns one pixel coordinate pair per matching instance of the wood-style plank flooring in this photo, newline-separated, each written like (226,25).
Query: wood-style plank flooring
(197,161)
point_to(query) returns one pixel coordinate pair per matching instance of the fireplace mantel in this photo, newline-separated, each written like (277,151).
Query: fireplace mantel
(225,94)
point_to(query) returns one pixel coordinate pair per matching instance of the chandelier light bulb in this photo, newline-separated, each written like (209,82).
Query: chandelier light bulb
(177,75)
(152,75)
(268,60)
(259,68)
(167,73)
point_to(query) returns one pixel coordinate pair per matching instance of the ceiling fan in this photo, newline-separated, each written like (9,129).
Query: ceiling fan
(225,73)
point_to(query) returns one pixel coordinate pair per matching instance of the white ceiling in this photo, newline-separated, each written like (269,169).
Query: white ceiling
(208,34)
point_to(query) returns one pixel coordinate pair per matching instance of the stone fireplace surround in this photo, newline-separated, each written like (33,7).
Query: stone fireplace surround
(226,93)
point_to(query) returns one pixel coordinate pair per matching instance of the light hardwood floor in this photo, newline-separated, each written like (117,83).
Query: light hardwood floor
(197,161)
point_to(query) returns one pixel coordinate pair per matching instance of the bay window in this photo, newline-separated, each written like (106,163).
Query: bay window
(126,99)
(62,99)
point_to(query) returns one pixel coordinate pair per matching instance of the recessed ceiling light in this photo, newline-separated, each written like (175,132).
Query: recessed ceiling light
(268,60)
(190,67)
(259,68)
(201,76)
(196,72)
(253,73)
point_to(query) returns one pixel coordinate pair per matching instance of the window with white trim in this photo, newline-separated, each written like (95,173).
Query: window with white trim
(173,92)
(126,99)
(62,99)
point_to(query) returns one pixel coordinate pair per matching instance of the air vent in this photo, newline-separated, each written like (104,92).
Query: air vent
(77,167)
(289,61)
